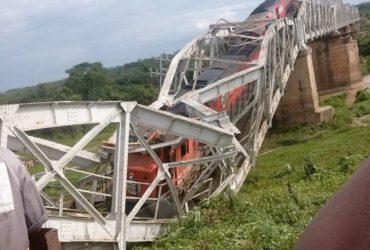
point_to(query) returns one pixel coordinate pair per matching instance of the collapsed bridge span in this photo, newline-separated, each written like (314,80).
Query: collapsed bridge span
(199,138)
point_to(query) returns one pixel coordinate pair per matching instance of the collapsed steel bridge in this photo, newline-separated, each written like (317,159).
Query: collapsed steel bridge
(230,140)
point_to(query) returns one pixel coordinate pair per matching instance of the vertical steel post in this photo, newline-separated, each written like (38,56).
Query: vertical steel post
(161,71)
(3,135)
(120,175)
(6,112)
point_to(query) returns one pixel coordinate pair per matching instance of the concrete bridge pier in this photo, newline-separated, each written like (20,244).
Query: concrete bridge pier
(300,104)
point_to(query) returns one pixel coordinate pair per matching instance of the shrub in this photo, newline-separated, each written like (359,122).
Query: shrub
(362,96)
(361,109)
(309,168)
(287,170)
(337,101)
(348,163)
(342,118)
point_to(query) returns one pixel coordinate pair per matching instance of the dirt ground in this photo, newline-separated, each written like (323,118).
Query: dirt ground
(362,121)
(351,97)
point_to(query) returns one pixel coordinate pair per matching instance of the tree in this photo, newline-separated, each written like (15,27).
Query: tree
(91,82)
(141,93)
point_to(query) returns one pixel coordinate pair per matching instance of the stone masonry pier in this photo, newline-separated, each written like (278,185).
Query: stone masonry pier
(327,66)
(337,64)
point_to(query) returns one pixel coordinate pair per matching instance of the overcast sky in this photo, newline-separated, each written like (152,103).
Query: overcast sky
(40,39)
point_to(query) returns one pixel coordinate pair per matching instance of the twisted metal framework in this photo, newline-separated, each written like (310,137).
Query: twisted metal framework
(231,140)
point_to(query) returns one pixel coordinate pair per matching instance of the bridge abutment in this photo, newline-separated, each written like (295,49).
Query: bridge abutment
(300,104)
(337,64)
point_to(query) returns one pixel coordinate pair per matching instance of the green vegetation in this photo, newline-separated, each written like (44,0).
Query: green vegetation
(364,9)
(363,38)
(92,82)
(299,171)
(362,105)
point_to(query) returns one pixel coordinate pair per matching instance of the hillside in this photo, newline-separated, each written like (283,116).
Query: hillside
(364,9)
(92,81)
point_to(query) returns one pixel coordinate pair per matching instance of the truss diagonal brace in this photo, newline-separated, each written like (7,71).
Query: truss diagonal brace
(59,175)
(33,148)
(54,151)
(209,115)
(86,139)
(145,196)
(200,181)
(203,160)
(37,152)
(167,174)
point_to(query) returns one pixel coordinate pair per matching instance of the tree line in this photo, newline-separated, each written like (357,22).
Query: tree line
(93,82)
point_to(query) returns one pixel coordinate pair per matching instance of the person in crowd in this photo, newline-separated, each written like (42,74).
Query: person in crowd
(22,213)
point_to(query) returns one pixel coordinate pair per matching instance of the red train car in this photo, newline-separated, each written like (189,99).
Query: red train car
(142,169)
(233,101)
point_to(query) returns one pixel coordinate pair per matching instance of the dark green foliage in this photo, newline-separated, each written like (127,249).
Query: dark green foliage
(337,101)
(362,104)
(309,168)
(364,46)
(362,109)
(285,172)
(293,195)
(344,164)
(364,9)
(44,91)
(291,141)
(365,64)
(362,96)
(142,93)
(92,82)
(342,117)
(363,38)
(135,73)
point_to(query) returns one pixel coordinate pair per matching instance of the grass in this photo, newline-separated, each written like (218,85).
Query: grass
(362,104)
(301,170)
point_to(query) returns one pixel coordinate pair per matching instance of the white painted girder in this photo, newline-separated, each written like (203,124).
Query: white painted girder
(84,230)
(58,114)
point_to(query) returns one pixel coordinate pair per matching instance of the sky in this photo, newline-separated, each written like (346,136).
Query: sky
(41,39)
